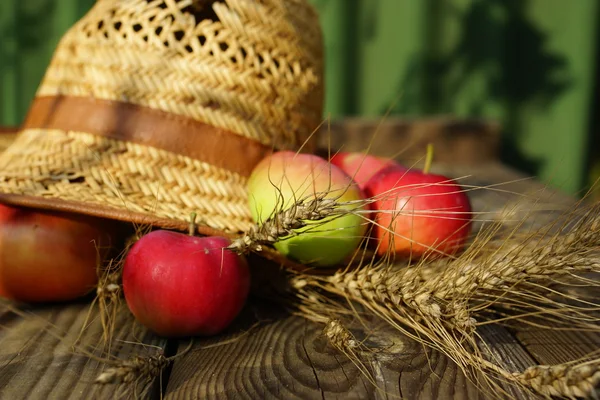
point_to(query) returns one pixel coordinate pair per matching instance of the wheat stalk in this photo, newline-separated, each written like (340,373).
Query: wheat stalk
(130,370)
(397,289)
(339,336)
(287,223)
(443,290)
(431,301)
(518,274)
(108,294)
(424,328)
(564,380)
(514,262)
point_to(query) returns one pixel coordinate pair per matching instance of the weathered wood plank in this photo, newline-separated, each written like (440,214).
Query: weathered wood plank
(41,357)
(287,357)
(552,346)
(504,350)
(408,370)
(290,359)
(283,357)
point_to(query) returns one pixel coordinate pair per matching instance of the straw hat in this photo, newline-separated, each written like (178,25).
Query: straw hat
(151,110)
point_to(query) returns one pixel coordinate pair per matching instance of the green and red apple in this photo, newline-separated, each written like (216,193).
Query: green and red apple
(284,177)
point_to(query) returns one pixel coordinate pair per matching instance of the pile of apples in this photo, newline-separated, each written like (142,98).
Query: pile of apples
(408,212)
(178,284)
(175,284)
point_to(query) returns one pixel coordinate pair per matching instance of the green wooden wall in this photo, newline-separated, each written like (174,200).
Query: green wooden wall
(29,32)
(531,64)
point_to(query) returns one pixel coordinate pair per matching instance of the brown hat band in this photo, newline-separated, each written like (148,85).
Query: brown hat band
(149,127)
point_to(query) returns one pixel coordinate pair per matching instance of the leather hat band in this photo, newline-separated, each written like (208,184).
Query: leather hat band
(150,127)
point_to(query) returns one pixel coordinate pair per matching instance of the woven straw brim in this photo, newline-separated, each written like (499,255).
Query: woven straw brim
(78,171)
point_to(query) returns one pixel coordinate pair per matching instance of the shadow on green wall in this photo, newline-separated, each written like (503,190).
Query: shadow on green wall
(27,54)
(499,42)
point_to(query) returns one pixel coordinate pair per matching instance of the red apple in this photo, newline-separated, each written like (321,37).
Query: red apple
(181,285)
(46,256)
(360,166)
(418,213)
(284,177)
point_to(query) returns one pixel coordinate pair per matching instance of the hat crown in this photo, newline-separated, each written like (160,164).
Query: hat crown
(152,110)
(252,67)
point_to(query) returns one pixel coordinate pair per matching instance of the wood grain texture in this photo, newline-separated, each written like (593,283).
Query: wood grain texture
(284,357)
(287,357)
(408,370)
(40,357)
(503,349)
(551,346)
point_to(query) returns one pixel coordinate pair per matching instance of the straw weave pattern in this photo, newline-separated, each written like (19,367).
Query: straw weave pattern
(86,168)
(253,68)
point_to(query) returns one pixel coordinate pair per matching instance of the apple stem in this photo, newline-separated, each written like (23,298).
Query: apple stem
(428,158)
(192,226)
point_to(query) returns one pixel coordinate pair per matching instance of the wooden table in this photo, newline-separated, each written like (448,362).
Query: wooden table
(267,354)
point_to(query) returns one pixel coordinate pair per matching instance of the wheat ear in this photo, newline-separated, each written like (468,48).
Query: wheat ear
(286,223)
(132,369)
(512,263)
(443,290)
(563,380)
(339,336)
(434,299)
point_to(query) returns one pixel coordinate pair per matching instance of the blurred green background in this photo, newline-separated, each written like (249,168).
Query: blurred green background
(532,65)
